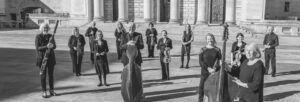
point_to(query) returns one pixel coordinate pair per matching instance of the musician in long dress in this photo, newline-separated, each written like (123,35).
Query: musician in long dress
(187,39)
(209,59)
(101,62)
(151,35)
(164,45)
(91,33)
(237,54)
(251,77)
(120,30)
(128,38)
(132,86)
(41,45)
(76,44)
(270,43)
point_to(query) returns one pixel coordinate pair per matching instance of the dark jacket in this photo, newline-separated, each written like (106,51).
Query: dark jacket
(139,44)
(73,41)
(41,42)
(272,40)
(161,45)
(151,31)
(91,33)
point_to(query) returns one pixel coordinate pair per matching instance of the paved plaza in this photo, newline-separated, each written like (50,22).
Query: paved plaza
(20,81)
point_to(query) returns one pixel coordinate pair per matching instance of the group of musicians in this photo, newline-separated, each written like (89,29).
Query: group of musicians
(245,59)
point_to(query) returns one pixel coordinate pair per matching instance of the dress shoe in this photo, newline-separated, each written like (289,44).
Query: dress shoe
(187,67)
(44,94)
(100,85)
(106,84)
(52,93)
(273,75)
(181,66)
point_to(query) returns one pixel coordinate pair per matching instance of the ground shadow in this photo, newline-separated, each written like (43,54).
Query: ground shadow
(283,82)
(19,75)
(278,96)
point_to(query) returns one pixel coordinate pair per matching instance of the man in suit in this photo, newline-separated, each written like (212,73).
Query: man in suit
(270,43)
(131,38)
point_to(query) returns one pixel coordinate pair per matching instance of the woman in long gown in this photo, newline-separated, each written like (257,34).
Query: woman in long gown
(251,76)
(237,54)
(132,87)
(120,30)
(101,62)
(209,58)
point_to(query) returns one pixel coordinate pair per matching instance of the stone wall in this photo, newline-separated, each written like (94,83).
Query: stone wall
(275,9)
(188,10)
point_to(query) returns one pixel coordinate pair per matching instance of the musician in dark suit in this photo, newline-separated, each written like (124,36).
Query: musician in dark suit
(187,39)
(91,33)
(120,30)
(101,63)
(134,38)
(164,44)
(209,59)
(270,43)
(76,45)
(151,35)
(41,45)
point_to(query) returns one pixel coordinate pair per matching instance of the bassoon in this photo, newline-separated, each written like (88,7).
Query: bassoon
(220,87)
(47,53)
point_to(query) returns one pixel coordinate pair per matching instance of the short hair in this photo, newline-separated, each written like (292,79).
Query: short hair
(44,25)
(212,36)
(75,28)
(132,25)
(239,34)
(165,31)
(151,24)
(255,49)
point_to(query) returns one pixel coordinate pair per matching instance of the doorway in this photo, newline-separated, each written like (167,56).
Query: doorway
(115,10)
(216,12)
(164,10)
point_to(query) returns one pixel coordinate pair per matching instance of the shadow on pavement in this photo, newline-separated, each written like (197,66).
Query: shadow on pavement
(278,96)
(283,82)
(19,75)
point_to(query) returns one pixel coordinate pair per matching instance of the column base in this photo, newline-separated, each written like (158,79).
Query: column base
(174,21)
(230,23)
(99,19)
(123,20)
(147,20)
(201,23)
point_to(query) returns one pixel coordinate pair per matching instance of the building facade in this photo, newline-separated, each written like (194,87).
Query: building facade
(30,13)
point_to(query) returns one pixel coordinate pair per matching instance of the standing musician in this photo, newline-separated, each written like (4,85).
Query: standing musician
(164,45)
(151,35)
(76,45)
(209,59)
(134,38)
(101,62)
(270,43)
(90,33)
(42,44)
(187,39)
(237,54)
(120,30)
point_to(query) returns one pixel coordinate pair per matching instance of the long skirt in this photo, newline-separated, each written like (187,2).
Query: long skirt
(132,87)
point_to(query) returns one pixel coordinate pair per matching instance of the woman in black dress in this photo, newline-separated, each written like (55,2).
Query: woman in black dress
(209,59)
(237,54)
(101,63)
(120,30)
(151,35)
(251,76)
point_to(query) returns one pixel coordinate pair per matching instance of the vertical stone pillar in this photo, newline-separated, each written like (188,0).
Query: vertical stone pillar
(174,11)
(230,12)
(90,10)
(123,10)
(158,11)
(98,10)
(201,17)
(147,11)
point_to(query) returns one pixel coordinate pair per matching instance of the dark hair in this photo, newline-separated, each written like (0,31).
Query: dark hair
(151,24)
(165,31)
(239,34)
(213,38)
(189,28)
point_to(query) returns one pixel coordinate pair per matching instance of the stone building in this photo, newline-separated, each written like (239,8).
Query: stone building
(245,13)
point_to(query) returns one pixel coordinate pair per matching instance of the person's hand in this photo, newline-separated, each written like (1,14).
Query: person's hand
(151,34)
(211,70)
(97,54)
(119,39)
(240,83)
(74,48)
(267,46)
(237,99)
(50,45)
(131,42)
(103,53)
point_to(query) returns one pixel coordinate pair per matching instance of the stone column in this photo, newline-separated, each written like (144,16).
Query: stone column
(201,18)
(123,16)
(174,11)
(158,10)
(147,10)
(230,12)
(98,10)
(90,10)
